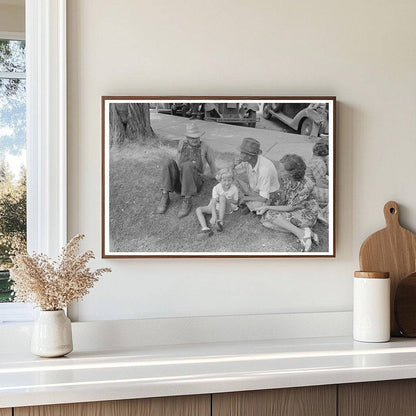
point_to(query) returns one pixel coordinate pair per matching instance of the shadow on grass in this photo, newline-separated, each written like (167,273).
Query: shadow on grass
(135,174)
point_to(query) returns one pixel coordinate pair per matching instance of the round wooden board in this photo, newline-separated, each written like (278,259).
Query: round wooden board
(405,306)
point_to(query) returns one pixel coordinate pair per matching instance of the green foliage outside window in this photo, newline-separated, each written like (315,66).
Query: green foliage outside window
(12,223)
(12,145)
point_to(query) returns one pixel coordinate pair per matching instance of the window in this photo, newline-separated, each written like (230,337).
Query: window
(12,153)
(46,135)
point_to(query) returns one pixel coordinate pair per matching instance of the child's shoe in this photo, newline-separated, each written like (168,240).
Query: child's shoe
(204,233)
(219,226)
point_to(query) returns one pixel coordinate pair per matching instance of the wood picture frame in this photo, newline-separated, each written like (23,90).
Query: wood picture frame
(147,140)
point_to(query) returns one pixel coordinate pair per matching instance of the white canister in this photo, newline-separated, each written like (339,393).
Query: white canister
(371,313)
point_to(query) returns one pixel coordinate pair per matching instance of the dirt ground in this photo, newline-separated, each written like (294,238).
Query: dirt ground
(135,173)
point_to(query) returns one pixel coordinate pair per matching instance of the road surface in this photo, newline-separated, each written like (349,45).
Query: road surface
(226,138)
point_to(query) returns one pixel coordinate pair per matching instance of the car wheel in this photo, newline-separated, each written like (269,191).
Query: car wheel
(253,124)
(266,111)
(306,127)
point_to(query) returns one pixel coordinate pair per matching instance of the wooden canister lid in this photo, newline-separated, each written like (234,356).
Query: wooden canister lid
(372,275)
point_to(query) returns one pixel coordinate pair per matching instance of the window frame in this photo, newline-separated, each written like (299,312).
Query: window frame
(12,35)
(46,137)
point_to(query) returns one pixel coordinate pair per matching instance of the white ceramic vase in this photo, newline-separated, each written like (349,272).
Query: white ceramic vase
(52,334)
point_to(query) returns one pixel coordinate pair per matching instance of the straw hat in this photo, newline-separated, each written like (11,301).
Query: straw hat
(193,131)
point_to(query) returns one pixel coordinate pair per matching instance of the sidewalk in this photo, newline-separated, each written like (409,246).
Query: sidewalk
(227,137)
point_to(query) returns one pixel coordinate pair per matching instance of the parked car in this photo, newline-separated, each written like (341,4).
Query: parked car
(179,109)
(232,113)
(306,118)
(163,108)
(176,109)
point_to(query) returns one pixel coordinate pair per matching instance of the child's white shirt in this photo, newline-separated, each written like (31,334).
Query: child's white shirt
(232,192)
(231,195)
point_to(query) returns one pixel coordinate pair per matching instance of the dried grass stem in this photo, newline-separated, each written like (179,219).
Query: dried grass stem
(53,285)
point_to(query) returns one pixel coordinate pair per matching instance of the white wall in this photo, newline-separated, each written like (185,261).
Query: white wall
(12,18)
(363,52)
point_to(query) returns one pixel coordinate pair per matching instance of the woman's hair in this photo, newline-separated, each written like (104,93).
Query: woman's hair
(224,172)
(294,165)
(321,148)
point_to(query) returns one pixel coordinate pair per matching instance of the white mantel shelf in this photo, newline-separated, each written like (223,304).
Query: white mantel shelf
(151,371)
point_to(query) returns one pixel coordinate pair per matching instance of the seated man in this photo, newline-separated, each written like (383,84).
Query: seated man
(256,176)
(184,175)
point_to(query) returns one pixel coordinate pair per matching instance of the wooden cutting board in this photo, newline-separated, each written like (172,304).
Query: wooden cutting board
(393,250)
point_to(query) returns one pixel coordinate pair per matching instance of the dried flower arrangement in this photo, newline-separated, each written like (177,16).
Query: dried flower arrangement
(53,285)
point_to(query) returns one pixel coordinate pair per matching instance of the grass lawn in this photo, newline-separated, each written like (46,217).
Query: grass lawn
(135,173)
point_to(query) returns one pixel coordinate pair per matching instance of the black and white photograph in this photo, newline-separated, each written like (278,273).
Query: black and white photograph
(218,176)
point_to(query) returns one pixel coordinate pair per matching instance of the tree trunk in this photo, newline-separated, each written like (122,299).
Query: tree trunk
(130,122)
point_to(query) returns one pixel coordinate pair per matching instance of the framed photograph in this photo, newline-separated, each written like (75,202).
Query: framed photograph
(218,176)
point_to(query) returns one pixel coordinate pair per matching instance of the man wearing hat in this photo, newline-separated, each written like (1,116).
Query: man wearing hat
(256,176)
(184,175)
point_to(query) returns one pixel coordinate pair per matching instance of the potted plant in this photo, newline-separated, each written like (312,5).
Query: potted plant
(52,286)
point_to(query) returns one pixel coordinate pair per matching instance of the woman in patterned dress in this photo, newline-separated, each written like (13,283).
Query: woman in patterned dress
(317,171)
(296,210)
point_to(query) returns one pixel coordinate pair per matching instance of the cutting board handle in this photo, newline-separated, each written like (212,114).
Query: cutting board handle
(391,214)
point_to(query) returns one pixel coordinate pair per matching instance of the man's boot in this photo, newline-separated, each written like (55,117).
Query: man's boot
(185,207)
(163,204)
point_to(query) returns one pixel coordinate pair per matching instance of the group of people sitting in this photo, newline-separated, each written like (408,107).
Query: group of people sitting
(288,199)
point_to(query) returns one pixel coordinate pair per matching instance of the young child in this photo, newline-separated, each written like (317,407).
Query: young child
(224,201)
